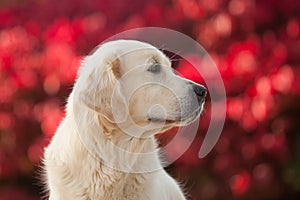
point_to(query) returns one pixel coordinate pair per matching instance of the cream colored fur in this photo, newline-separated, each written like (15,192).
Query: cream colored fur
(90,155)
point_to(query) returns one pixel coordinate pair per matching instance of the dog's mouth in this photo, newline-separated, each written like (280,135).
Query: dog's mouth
(161,120)
(181,120)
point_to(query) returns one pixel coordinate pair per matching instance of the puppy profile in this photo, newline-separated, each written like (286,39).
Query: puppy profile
(104,148)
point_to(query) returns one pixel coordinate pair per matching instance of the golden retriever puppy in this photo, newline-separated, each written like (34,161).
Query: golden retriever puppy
(104,148)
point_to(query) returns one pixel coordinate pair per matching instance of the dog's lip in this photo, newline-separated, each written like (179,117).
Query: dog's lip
(161,120)
(191,117)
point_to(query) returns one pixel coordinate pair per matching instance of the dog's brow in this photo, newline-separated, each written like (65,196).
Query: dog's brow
(154,58)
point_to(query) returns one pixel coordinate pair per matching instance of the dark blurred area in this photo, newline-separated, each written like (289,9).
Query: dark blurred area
(255,44)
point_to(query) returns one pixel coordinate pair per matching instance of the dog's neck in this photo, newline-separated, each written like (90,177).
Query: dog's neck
(122,151)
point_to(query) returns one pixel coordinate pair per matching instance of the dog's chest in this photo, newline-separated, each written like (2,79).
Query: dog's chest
(111,184)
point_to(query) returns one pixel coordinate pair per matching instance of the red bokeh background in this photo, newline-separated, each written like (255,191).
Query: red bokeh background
(255,44)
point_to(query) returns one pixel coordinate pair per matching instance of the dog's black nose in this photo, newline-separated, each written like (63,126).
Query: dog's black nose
(200,91)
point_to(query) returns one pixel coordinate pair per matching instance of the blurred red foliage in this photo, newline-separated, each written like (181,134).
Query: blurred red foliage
(255,44)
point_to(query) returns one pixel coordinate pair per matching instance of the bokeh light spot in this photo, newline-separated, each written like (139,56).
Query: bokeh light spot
(293,28)
(283,80)
(262,173)
(237,7)
(222,24)
(259,109)
(239,183)
(51,84)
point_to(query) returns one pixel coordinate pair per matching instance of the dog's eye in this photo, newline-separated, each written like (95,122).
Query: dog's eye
(154,68)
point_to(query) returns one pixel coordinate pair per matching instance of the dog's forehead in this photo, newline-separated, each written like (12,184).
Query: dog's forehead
(144,53)
(135,51)
(126,45)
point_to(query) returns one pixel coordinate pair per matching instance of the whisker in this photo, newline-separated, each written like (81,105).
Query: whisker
(177,59)
(175,54)
(162,47)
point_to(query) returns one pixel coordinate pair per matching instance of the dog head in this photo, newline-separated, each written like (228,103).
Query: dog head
(131,84)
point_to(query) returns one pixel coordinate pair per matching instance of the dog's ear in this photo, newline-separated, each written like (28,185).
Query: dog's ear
(99,86)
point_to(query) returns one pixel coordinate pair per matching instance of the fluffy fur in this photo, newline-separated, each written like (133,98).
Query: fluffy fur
(96,152)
